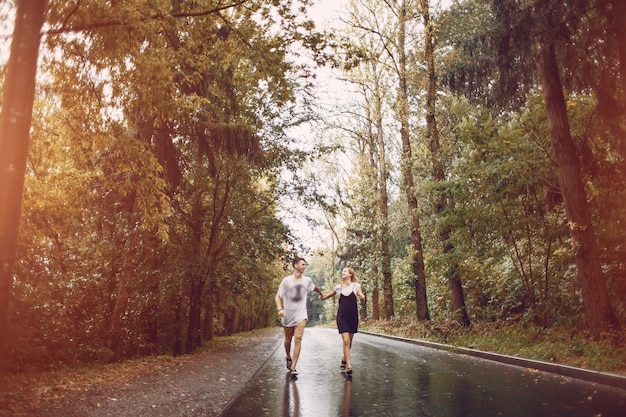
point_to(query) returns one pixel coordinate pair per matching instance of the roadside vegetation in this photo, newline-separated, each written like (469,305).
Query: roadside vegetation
(557,344)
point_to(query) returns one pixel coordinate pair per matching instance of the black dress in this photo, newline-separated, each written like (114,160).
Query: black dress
(347,315)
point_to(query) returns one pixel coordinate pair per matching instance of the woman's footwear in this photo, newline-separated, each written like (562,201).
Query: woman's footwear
(289,363)
(343,365)
(349,371)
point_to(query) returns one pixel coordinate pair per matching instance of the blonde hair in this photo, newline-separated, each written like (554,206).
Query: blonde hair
(352,274)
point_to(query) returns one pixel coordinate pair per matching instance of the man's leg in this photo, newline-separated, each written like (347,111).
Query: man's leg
(298,334)
(289,332)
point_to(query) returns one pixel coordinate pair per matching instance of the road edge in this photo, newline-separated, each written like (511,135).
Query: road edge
(604,378)
(279,342)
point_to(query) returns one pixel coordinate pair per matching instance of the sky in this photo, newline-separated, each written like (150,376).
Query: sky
(326,14)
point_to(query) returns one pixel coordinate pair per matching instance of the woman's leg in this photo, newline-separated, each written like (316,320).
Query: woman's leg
(347,344)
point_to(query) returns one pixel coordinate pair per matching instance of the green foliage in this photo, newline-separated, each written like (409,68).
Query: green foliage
(509,238)
(559,344)
(149,215)
(509,230)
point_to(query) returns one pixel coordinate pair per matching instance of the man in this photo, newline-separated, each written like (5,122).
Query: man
(291,305)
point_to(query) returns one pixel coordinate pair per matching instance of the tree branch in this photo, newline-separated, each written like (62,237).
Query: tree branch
(159,16)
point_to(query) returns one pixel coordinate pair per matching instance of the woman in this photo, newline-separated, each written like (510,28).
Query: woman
(347,314)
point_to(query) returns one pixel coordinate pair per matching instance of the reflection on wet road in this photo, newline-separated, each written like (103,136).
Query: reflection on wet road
(393,378)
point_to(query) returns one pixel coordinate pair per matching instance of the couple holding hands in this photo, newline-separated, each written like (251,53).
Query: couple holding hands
(291,305)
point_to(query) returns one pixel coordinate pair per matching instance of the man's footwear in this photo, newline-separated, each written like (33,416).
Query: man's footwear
(343,365)
(294,372)
(289,363)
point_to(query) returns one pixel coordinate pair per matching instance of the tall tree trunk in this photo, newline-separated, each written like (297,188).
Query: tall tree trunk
(121,300)
(194,336)
(459,309)
(209,313)
(221,311)
(15,123)
(120,306)
(196,275)
(375,283)
(599,313)
(617,24)
(417,261)
(616,21)
(383,204)
(178,326)
(234,324)
(249,314)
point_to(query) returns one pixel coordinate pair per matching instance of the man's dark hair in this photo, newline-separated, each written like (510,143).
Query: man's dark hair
(296,260)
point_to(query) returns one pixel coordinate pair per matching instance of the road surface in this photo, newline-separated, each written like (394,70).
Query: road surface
(393,378)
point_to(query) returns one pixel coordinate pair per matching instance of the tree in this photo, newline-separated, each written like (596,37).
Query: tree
(419,279)
(377,148)
(15,123)
(510,230)
(392,36)
(160,122)
(525,37)
(372,165)
(600,315)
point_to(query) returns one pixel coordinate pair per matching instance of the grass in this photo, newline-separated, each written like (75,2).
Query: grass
(559,345)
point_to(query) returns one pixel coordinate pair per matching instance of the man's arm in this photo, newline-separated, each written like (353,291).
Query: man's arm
(317,290)
(279,305)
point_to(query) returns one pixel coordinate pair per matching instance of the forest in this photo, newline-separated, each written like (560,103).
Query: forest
(159,158)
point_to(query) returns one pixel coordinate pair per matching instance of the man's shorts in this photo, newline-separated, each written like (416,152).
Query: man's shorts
(297,330)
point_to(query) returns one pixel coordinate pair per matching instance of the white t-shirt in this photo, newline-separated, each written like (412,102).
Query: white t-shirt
(294,294)
(347,290)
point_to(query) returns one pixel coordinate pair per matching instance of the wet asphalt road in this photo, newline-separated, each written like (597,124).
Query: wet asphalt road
(394,378)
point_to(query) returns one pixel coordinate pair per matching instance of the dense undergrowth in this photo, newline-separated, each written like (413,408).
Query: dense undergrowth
(567,346)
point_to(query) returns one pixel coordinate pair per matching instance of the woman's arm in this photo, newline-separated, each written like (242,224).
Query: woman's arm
(330,294)
(360,294)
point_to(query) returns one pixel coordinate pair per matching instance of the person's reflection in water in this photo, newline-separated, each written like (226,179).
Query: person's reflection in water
(347,397)
(291,399)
